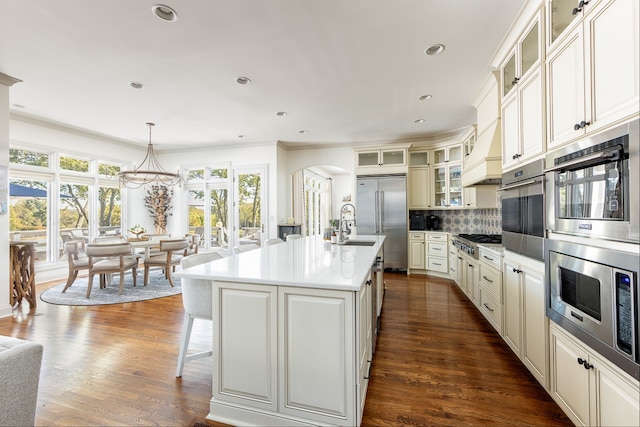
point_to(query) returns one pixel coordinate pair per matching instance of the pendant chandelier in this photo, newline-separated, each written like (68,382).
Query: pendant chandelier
(149,172)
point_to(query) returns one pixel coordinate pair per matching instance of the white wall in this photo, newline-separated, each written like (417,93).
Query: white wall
(5,308)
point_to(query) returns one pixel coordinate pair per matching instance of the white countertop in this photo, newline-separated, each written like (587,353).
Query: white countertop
(309,262)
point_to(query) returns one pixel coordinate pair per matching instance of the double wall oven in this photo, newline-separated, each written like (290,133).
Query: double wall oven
(592,250)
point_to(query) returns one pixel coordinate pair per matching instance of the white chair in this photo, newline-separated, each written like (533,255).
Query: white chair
(275,241)
(291,237)
(197,302)
(245,248)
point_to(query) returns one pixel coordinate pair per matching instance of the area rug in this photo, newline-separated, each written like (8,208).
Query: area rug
(158,287)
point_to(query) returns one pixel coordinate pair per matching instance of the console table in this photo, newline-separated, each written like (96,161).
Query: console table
(22,277)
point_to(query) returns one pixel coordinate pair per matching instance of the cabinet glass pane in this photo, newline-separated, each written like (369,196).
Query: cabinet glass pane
(419,158)
(508,74)
(530,50)
(455,153)
(439,156)
(368,159)
(440,186)
(469,144)
(561,16)
(393,157)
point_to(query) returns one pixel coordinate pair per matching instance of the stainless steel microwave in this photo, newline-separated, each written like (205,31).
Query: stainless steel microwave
(593,293)
(592,186)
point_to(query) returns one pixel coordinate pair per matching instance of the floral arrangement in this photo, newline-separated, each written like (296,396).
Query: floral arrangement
(137,229)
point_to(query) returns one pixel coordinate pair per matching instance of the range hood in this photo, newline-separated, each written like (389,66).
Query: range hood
(483,166)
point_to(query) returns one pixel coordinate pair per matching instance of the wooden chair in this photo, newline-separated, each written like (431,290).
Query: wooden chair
(170,254)
(108,259)
(76,262)
(194,244)
(197,302)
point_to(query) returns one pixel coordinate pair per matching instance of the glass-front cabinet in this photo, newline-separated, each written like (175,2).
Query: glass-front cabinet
(526,54)
(451,153)
(392,157)
(447,186)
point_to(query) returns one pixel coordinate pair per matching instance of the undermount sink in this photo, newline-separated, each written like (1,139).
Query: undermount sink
(358,243)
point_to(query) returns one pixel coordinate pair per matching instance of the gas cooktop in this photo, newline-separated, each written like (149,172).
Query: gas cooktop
(469,242)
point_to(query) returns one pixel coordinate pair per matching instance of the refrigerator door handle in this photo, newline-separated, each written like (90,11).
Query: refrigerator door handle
(381,210)
(376,213)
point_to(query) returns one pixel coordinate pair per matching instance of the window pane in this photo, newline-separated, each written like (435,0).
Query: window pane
(219,173)
(28,220)
(74,209)
(219,217)
(71,164)
(195,174)
(196,211)
(109,212)
(249,203)
(108,169)
(24,157)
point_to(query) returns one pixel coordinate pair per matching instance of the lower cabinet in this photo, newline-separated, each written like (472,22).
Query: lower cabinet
(417,251)
(525,323)
(590,390)
(288,355)
(491,289)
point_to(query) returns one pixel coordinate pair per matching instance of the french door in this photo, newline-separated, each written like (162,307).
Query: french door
(250,206)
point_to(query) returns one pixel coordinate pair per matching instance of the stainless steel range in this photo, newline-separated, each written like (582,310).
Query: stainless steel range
(469,242)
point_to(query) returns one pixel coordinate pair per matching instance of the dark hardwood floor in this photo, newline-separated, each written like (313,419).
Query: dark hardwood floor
(438,362)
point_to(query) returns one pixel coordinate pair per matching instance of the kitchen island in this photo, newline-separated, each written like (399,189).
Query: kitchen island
(293,331)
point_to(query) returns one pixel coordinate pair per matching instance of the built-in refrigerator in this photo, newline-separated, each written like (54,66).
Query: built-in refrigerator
(381,207)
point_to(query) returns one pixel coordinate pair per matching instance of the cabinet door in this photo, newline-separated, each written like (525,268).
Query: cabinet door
(509,75)
(455,185)
(531,116)
(535,325)
(569,380)
(566,89)
(618,402)
(369,158)
(393,157)
(419,194)
(317,360)
(364,341)
(512,309)
(612,28)
(418,158)
(417,255)
(439,186)
(510,132)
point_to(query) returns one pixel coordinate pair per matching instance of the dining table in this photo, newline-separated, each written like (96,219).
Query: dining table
(147,245)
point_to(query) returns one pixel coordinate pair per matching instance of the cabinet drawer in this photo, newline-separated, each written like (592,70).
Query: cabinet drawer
(491,280)
(437,264)
(491,309)
(488,256)
(416,236)
(437,249)
(437,237)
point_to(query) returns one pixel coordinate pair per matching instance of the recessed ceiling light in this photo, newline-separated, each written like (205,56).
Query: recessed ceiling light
(302,131)
(418,121)
(281,113)
(164,12)
(136,85)
(423,97)
(243,80)
(436,49)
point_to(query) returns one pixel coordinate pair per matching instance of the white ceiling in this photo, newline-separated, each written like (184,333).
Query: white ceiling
(346,71)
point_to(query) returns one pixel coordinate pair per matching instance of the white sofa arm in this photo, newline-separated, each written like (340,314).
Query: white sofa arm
(20,363)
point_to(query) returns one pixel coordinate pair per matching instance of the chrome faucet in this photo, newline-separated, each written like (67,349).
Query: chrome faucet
(346,225)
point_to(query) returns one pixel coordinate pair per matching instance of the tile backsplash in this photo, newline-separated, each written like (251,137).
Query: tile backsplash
(470,221)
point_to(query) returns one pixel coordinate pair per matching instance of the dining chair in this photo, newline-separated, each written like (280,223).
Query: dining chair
(197,303)
(245,248)
(275,241)
(157,238)
(194,244)
(170,254)
(76,262)
(291,237)
(108,259)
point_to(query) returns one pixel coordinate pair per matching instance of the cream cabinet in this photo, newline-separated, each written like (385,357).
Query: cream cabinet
(418,188)
(417,251)
(469,142)
(447,186)
(418,158)
(377,160)
(523,135)
(525,323)
(447,154)
(490,288)
(453,262)
(471,279)
(593,70)
(480,197)
(590,390)
(437,252)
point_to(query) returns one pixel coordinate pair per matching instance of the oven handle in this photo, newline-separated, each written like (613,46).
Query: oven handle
(584,160)
(520,184)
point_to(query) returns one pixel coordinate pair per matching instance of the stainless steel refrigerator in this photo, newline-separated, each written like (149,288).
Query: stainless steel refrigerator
(381,208)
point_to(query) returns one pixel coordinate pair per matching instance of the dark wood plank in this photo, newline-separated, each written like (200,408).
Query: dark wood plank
(438,362)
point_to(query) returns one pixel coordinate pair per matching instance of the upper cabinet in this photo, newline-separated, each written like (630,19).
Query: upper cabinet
(418,183)
(523,136)
(592,67)
(451,153)
(381,160)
